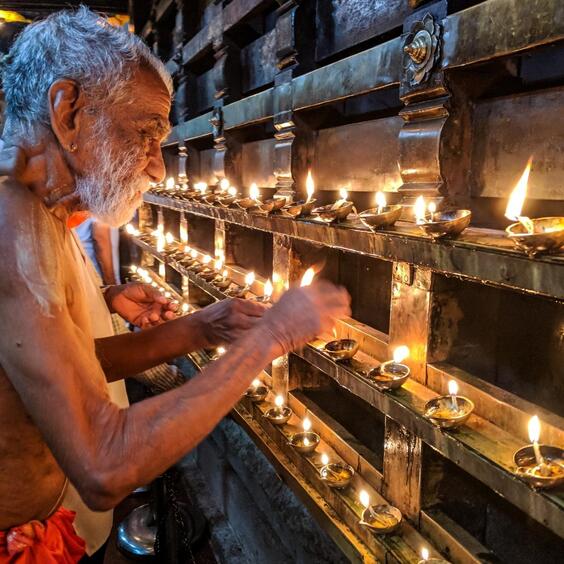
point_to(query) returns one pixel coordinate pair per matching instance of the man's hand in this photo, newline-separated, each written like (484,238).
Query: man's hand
(140,304)
(303,313)
(225,321)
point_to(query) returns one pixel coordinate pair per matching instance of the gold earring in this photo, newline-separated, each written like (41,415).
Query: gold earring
(73,147)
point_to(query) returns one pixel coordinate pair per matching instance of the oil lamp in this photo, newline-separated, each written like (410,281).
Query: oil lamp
(205,272)
(303,207)
(426,560)
(222,281)
(381,519)
(280,413)
(391,374)
(382,215)
(337,211)
(169,186)
(229,197)
(201,189)
(305,442)
(257,391)
(341,349)
(449,411)
(541,466)
(130,230)
(252,201)
(534,236)
(239,292)
(161,241)
(440,224)
(185,308)
(267,296)
(336,475)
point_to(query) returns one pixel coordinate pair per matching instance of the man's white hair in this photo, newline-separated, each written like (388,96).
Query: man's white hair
(72,44)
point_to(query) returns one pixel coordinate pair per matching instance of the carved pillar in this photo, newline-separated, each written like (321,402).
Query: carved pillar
(292,19)
(426,98)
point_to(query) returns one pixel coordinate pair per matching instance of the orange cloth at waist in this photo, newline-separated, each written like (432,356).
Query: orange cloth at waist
(53,541)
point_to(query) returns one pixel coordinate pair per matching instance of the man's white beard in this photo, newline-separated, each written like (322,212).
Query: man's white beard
(112,191)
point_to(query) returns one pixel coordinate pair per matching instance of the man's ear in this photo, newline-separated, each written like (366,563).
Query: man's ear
(65,101)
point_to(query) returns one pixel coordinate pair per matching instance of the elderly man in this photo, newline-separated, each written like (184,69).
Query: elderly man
(86,110)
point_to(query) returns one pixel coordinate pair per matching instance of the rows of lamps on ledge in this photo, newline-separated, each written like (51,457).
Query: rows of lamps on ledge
(533,236)
(541,466)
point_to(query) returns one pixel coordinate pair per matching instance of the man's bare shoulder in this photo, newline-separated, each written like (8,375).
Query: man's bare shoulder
(30,241)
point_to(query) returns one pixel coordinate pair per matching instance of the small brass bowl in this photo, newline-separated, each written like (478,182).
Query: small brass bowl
(305,442)
(211,198)
(279,416)
(197,267)
(201,196)
(299,209)
(257,394)
(382,519)
(190,194)
(279,202)
(330,215)
(386,218)
(525,461)
(222,283)
(226,201)
(389,375)
(449,223)
(264,207)
(342,349)
(439,410)
(208,275)
(337,475)
(542,242)
(247,203)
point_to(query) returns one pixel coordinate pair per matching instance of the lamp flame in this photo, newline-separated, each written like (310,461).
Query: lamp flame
(170,183)
(256,383)
(268,289)
(452,387)
(324,459)
(278,401)
(517,199)
(160,243)
(334,332)
(381,201)
(425,553)
(194,253)
(224,274)
(254,192)
(201,187)
(185,308)
(432,207)
(249,279)
(224,184)
(401,353)
(308,277)
(133,268)
(232,191)
(364,498)
(419,210)
(306,425)
(220,350)
(534,429)
(310,186)
(218,264)
(343,193)
(169,238)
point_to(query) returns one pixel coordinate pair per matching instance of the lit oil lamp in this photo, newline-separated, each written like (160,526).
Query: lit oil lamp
(382,215)
(337,211)
(200,190)
(198,267)
(381,519)
(222,281)
(169,186)
(131,230)
(257,391)
(442,223)
(161,242)
(267,295)
(306,441)
(206,272)
(426,560)
(341,349)
(229,197)
(391,374)
(534,236)
(238,292)
(541,466)
(252,201)
(280,413)
(336,475)
(303,208)
(449,411)
(307,277)
(190,256)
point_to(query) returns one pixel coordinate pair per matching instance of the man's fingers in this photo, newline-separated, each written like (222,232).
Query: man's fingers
(251,308)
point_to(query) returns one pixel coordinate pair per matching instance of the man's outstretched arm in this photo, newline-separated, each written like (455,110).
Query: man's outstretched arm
(132,353)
